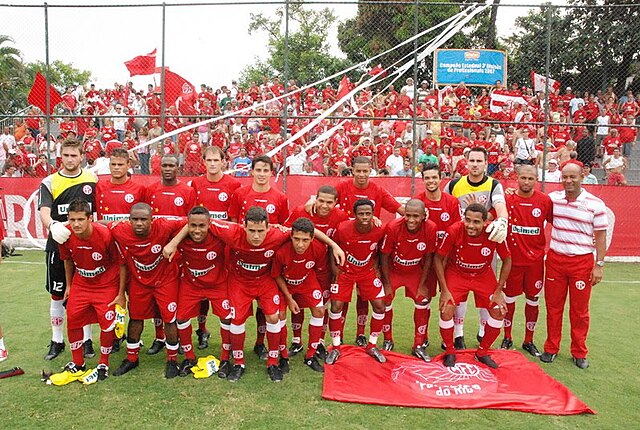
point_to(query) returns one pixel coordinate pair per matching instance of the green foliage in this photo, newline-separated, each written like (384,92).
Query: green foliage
(61,74)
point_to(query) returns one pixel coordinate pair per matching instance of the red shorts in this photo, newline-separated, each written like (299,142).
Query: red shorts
(309,294)
(190,296)
(527,279)
(242,294)
(616,179)
(324,279)
(409,281)
(369,287)
(89,306)
(460,285)
(149,302)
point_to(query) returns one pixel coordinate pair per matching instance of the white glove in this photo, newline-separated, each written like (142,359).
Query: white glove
(59,232)
(498,230)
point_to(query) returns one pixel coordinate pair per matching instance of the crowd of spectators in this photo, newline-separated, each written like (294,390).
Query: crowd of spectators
(597,129)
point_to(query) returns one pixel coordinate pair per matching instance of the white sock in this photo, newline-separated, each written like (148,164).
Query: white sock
(458,319)
(56,311)
(86,333)
(2,343)
(484,316)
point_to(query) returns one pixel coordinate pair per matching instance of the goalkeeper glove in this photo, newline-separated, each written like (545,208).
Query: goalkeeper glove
(59,232)
(498,230)
(120,314)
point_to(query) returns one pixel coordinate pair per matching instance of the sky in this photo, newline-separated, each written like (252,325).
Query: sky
(204,44)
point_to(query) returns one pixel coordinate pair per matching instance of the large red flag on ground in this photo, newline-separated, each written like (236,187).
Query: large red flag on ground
(142,64)
(539,82)
(177,86)
(38,94)
(517,384)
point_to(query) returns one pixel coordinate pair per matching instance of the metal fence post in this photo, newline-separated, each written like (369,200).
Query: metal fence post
(162,89)
(48,86)
(414,121)
(286,83)
(547,67)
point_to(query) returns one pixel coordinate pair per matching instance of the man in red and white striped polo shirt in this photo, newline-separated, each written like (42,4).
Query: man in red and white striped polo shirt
(578,217)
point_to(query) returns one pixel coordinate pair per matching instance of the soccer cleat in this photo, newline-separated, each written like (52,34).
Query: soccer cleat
(156,347)
(321,352)
(185,367)
(506,343)
(486,360)
(425,344)
(115,347)
(87,349)
(295,348)
(361,340)
(103,372)
(55,349)
(547,357)
(3,355)
(171,369)
(274,373)
(377,355)
(388,345)
(421,353)
(582,363)
(203,338)
(225,369)
(449,360)
(332,356)
(531,349)
(125,367)
(261,351)
(71,373)
(443,346)
(458,343)
(314,364)
(236,373)
(283,364)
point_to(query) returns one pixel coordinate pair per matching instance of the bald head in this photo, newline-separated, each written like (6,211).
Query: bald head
(415,204)
(142,207)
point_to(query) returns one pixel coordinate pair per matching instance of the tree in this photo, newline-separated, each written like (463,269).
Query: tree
(308,50)
(12,76)
(61,75)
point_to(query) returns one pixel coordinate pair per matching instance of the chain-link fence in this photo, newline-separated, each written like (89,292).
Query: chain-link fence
(530,83)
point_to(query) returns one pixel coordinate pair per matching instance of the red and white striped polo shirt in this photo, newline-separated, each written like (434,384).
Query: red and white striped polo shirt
(574,223)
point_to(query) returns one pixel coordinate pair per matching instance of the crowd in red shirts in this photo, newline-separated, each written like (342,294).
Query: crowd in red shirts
(448,120)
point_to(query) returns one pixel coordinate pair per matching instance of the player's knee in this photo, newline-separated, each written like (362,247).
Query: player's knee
(272,319)
(336,306)
(318,312)
(378,306)
(447,313)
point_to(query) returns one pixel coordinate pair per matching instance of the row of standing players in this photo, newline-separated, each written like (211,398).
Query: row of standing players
(263,261)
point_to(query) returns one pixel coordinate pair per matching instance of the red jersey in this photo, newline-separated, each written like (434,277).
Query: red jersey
(348,194)
(173,200)
(406,250)
(297,268)
(202,264)
(114,201)
(273,201)
(470,256)
(359,248)
(97,259)
(444,212)
(327,225)
(92,149)
(143,255)
(215,196)
(527,215)
(248,262)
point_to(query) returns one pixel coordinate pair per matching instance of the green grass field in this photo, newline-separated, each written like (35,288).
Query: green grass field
(144,399)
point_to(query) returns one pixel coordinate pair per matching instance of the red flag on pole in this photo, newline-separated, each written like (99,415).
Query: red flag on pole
(142,64)
(344,87)
(539,82)
(38,94)
(377,70)
(177,86)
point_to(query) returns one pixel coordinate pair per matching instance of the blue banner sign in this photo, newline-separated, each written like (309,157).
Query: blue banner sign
(473,66)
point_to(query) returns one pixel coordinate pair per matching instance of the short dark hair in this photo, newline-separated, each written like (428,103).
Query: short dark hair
(72,142)
(174,156)
(478,149)
(213,149)
(477,207)
(362,202)
(256,214)
(120,152)
(430,166)
(361,160)
(79,205)
(199,210)
(262,159)
(328,189)
(304,225)
(142,206)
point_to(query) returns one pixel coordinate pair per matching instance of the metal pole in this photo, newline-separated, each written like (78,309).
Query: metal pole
(286,82)
(162,94)
(414,145)
(47,78)
(546,95)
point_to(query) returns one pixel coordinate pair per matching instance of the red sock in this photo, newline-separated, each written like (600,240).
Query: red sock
(261,326)
(75,340)
(106,343)
(377,321)
(508,318)
(387,325)
(273,343)
(531,318)
(172,351)
(315,331)
(420,322)
(185,332)
(297,320)
(159,329)
(133,349)
(491,333)
(237,335)
(284,334)
(446,332)
(336,326)
(202,317)
(225,334)
(345,309)
(362,309)
(325,325)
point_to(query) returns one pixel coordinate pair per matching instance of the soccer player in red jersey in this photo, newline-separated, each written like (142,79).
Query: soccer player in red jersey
(153,281)
(359,239)
(528,211)
(294,269)
(463,264)
(203,276)
(261,194)
(96,278)
(116,196)
(213,191)
(406,254)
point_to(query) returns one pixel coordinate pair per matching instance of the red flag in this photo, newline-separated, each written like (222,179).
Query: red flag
(344,87)
(177,86)
(499,99)
(377,70)
(517,384)
(142,64)
(38,94)
(539,82)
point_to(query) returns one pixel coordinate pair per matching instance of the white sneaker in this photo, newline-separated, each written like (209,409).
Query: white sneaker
(3,355)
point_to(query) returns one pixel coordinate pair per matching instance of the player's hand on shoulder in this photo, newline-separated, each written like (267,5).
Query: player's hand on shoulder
(498,230)
(169,251)
(510,191)
(59,232)
(377,221)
